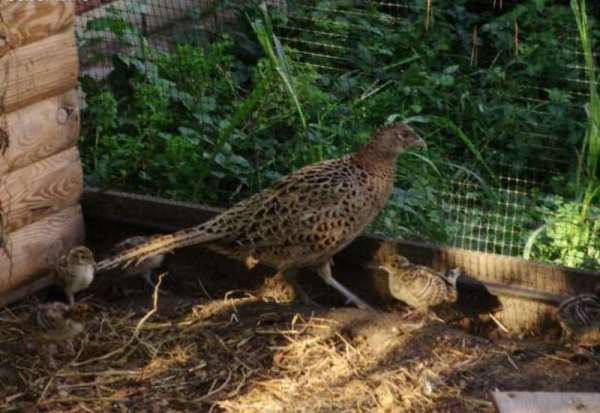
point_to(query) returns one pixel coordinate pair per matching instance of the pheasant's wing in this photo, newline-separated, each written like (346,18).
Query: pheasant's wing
(334,191)
(320,203)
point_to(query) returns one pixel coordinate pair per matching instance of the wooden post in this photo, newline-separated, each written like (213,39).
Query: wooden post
(41,189)
(40,172)
(40,130)
(39,70)
(24,22)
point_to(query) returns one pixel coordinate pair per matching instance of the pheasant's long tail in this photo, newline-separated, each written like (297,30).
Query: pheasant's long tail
(159,245)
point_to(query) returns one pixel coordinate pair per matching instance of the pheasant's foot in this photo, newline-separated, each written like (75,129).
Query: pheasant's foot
(324,272)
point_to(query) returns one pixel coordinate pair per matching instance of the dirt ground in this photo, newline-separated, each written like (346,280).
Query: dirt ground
(206,348)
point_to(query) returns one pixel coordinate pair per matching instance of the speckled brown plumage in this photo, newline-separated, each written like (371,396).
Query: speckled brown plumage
(418,286)
(579,316)
(50,328)
(75,271)
(305,218)
(52,322)
(145,267)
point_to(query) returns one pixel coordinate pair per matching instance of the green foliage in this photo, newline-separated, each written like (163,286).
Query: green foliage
(221,116)
(566,237)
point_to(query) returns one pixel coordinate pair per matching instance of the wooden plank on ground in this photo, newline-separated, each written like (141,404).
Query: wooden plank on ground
(40,130)
(38,71)
(517,315)
(24,22)
(40,189)
(544,402)
(32,250)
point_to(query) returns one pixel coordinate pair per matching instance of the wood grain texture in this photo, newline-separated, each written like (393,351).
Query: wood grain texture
(41,189)
(38,71)
(24,22)
(517,315)
(544,402)
(32,250)
(40,130)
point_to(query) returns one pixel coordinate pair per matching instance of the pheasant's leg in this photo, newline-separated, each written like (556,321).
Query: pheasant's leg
(71,298)
(290,277)
(324,272)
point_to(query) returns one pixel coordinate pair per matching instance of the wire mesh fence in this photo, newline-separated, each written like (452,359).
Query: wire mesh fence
(505,111)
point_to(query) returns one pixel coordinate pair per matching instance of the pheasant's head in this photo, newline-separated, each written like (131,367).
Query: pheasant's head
(80,256)
(392,139)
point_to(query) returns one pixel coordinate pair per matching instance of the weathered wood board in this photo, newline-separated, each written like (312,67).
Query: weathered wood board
(40,130)
(40,189)
(517,315)
(42,69)
(544,402)
(24,22)
(35,248)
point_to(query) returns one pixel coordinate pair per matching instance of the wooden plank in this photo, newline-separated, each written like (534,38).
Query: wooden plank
(25,290)
(144,211)
(24,22)
(38,71)
(40,189)
(35,248)
(543,402)
(517,315)
(40,130)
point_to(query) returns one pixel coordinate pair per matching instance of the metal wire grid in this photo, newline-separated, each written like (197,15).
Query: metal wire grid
(500,226)
(497,227)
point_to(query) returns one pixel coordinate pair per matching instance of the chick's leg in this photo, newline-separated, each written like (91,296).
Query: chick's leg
(70,297)
(324,271)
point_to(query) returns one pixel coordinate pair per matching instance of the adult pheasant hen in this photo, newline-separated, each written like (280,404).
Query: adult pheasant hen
(304,219)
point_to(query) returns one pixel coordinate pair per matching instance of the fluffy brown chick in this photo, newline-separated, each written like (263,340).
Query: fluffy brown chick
(75,271)
(51,327)
(579,317)
(418,286)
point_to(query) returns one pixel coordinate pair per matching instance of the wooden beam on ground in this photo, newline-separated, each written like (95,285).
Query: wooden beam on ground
(42,69)
(40,189)
(24,22)
(40,130)
(517,315)
(33,249)
(544,402)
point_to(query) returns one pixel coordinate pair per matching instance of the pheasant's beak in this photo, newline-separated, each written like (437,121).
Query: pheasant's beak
(419,142)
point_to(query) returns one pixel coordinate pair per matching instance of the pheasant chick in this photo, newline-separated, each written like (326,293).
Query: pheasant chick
(418,286)
(75,271)
(579,317)
(50,326)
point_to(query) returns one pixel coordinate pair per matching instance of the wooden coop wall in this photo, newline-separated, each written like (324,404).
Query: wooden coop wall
(41,178)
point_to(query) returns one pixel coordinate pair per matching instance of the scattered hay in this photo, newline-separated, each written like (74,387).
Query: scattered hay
(241,354)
